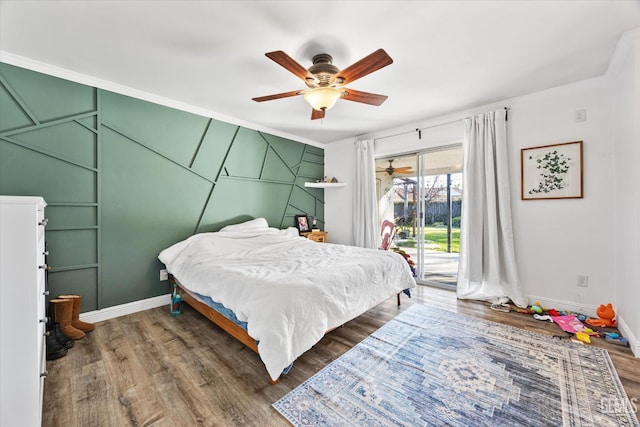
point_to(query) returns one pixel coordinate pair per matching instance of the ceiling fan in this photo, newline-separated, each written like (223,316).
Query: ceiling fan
(405,170)
(326,82)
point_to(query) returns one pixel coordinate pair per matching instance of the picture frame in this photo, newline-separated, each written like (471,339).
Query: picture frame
(302,223)
(552,171)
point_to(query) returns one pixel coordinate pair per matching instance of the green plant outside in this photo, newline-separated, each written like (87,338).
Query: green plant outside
(436,236)
(409,243)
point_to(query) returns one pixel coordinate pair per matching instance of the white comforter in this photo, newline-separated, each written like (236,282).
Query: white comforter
(289,290)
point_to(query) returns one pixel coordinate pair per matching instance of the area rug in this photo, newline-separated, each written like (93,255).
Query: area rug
(429,367)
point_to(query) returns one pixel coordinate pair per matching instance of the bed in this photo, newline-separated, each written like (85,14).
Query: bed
(277,292)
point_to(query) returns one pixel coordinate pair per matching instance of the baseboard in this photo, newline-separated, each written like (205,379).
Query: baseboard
(588,309)
(124,309)
(626,332)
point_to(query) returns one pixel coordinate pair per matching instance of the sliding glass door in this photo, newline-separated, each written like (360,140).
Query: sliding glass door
(421,194)
(439,209)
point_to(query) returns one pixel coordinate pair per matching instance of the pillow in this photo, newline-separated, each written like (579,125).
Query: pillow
(254,224)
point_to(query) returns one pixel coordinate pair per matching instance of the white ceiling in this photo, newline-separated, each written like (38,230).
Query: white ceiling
(448,55)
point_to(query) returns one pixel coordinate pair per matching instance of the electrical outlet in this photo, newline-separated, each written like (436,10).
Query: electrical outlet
(164,275)
(583,281)
(581,115)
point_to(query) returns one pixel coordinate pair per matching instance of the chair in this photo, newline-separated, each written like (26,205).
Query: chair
(387,231)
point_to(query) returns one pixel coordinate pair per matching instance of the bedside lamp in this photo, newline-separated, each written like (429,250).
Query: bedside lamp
(314,224)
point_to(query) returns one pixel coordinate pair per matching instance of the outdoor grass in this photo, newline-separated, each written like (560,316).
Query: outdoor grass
(437,236)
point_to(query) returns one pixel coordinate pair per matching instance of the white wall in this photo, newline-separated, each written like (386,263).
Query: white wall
(623,75)
(340,160)
(556,240)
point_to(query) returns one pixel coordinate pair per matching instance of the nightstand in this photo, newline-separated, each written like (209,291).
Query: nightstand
(316,236)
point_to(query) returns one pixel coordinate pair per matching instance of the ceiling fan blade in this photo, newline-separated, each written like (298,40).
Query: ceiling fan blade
(404,169)
(289,63)
(366,65)
(277,96)
(317,114)
(363,97)
(403,172)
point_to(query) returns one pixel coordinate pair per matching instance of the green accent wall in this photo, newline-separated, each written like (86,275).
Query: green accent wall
(126,178)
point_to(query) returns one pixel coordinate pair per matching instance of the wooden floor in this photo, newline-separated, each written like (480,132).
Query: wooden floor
(150,368)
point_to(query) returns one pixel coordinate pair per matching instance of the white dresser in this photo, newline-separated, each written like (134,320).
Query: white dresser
(22,310)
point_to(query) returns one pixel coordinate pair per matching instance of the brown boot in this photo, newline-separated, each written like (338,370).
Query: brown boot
(75,315)
(62,311)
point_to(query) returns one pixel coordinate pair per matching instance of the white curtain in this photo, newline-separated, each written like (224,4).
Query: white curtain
(365,206)
(487,268)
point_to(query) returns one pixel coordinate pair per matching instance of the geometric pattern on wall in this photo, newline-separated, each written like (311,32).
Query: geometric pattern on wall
(49,146)
(124,178)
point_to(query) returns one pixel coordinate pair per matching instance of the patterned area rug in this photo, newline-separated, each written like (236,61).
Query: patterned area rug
(432,367)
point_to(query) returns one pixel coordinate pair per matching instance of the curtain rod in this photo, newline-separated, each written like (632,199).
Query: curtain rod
(419,130)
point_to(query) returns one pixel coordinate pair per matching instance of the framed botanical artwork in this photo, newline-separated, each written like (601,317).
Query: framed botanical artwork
(552,171)
(302,223)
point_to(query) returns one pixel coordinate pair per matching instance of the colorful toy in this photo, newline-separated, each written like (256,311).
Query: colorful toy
(583,337)
(537,308)
(614,338)
(606,316)
(569,323)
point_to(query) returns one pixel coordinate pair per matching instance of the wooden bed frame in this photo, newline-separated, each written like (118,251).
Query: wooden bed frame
(227,325)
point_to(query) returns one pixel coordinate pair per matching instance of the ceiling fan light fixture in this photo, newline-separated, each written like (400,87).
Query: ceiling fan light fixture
(322,98)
